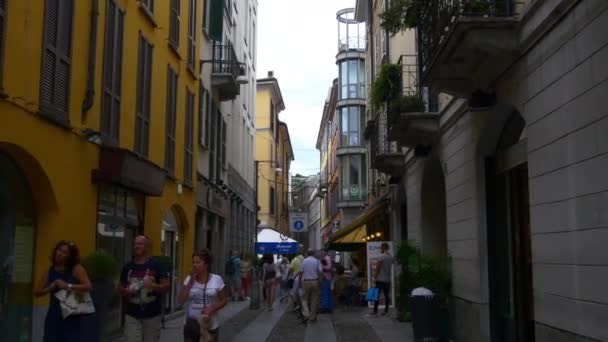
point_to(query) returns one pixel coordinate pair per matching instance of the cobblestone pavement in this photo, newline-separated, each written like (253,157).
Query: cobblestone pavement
(242,324)
(351,326)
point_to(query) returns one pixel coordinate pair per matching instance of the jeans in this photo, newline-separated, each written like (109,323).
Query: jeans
(327,300)
(142,330)
(386,289)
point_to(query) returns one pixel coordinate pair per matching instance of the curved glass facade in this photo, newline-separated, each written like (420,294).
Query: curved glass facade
(351,111)
(352,79)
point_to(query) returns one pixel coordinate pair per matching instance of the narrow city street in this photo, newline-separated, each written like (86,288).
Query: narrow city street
(238,323)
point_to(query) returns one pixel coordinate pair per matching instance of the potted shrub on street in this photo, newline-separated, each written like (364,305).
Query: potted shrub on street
(102,269)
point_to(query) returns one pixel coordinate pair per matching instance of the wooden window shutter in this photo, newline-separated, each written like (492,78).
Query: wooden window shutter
(224,143)
(112,77)
(56,60)
(144,80)
(216,20)
(192,36)
(188,137)
(201,111)
(174,23)
(172,80)
(2,41)
(208,112)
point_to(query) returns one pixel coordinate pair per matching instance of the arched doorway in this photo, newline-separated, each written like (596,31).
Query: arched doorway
(171,246)
(509,236)
(433,201)
(17,242)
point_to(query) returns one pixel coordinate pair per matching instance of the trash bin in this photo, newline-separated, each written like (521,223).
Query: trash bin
(425,316)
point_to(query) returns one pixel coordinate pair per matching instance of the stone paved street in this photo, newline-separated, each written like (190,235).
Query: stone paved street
(239,323)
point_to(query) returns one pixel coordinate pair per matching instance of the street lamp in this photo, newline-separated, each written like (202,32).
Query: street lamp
(255,281)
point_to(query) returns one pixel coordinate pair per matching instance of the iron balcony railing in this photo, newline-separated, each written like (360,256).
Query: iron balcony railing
(225,60)
(379,144)
(437,18)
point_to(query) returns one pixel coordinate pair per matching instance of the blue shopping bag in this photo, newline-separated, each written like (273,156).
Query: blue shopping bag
(372,295)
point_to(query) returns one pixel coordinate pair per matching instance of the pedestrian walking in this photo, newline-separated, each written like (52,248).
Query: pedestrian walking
(142,283)
(293,283)
(246,275)
(205,295)
(309,278)
(382,274)
(353,298)
(65,274)
(270,281)
(327,301)
(284,276)
(233,275)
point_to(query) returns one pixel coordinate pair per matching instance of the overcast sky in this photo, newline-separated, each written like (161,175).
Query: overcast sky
(298,40)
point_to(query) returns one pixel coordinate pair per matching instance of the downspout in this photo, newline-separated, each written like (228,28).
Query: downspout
(89,98)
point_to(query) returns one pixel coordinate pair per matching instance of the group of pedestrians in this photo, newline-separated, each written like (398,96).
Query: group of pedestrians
(142,283)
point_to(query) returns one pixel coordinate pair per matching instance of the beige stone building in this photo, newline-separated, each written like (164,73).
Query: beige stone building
(504,170)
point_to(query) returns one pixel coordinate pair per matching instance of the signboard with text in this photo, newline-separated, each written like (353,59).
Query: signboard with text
(276,247)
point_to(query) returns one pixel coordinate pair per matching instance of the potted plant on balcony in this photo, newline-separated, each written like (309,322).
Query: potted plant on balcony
(406,104)
(102,269)
(387,84)
(477,8)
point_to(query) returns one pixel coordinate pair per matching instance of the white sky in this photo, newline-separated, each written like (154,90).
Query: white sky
(298,40)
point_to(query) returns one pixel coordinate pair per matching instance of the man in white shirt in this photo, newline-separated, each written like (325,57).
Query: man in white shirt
(309,277)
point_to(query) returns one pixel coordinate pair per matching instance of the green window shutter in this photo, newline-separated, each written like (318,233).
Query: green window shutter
(217,20)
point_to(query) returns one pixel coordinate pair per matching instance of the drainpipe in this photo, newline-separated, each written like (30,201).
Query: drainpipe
(89,99)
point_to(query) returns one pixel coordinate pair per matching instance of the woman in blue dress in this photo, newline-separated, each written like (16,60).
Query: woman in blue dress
(65,273)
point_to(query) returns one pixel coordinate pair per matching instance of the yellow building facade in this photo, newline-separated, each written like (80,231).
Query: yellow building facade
(271,151)
(98,114)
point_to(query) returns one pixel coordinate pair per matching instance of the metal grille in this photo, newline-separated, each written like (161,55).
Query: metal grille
(224,60)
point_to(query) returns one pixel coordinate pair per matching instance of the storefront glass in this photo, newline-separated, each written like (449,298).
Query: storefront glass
(17,237)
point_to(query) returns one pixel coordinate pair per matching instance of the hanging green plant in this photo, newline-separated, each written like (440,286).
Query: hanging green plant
(400,15)
(387,84)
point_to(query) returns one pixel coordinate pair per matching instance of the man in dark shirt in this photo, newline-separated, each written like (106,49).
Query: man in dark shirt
(142,282)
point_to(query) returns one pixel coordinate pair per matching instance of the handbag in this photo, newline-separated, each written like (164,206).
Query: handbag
(73,303)
(372,294)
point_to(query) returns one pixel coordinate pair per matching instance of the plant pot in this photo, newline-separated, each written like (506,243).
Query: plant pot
(102,294)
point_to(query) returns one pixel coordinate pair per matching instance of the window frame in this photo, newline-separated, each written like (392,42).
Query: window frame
(345,178)
(345,140)
(112,68)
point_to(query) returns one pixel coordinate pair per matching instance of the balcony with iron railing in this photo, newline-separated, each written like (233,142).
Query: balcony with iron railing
(225,71)
(407,112)
(465,45)
(385,156)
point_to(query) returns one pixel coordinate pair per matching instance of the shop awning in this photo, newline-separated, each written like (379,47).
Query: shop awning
(356,230)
